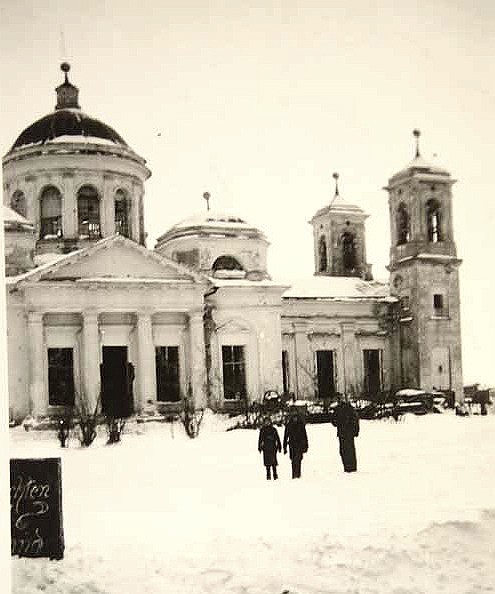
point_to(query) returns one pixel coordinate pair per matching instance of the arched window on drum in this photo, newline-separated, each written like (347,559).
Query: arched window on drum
(121,210)
(51,214)
(18,203)
(226,263)
(88,213)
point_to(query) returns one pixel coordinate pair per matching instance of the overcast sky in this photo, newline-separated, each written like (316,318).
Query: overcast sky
(260,102)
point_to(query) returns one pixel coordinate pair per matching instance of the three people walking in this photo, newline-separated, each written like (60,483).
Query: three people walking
(345,419)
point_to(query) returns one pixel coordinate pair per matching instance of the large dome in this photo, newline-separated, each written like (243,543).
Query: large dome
(67,122)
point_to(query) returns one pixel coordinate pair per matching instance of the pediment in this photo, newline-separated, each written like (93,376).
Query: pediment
(114,258)
(235,326)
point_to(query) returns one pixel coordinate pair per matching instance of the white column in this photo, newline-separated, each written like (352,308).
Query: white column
(69,207)
(146,373)
(304,360)
(215,373)
(37,388)
(197,359)
(136,205)
(351,358)
(91,359)
(107,207)
(32,206)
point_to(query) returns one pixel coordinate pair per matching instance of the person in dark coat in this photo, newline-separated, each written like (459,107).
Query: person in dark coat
(269,444)
(296,437)
(347,422)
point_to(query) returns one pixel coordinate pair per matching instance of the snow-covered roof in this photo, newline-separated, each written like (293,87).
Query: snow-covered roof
(213,219)
(340,206)
(212,224)
(243,282)
(337,288)
(51,265)
(420,164)
(14,221)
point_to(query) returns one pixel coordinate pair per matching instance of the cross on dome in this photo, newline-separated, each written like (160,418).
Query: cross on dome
(417,134)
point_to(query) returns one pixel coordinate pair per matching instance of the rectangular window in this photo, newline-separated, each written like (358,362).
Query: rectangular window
(404,302)
(234,372)
(285,371)
(325,374)
(439,305)
(167,373)
(372,359)
(61,377)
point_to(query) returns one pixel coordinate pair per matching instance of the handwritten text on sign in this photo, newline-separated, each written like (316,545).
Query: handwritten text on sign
(36,508)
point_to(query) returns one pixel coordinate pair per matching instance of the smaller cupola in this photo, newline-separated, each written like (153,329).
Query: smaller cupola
(339,238)
(67,93)
(218,244)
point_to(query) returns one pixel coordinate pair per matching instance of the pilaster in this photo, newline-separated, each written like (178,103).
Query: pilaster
(37,388)
(305,366)
(350,355)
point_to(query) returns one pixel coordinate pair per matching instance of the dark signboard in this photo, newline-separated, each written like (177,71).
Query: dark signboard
(36,507)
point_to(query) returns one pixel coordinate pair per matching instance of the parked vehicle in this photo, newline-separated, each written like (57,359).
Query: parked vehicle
(418,402)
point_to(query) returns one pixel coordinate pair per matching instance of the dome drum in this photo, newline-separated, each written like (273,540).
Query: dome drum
(218,245)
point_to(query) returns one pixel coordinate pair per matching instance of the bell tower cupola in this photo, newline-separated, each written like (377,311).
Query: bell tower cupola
(339,238)
(420,205)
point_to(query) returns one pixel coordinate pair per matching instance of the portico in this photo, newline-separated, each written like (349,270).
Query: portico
(74,312)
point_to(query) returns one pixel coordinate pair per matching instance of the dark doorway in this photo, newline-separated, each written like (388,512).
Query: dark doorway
(234,372)
(325,374)
(117,376)
(61,377)
(372,371)
(167,373)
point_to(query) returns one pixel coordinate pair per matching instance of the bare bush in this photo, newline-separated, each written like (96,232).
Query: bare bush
(87,421)
(191,417)
(115,426)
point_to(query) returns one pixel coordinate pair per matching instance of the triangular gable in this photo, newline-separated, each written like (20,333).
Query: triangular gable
(113,258)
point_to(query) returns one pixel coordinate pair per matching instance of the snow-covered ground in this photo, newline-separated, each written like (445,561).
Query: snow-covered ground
(160,513)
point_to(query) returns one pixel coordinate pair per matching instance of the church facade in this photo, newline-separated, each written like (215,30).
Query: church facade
(95,318)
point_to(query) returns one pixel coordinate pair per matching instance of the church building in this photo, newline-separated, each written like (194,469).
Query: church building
(95,318)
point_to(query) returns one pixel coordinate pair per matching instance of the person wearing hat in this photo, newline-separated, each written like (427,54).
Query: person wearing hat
(346,420)
(269,444)
(296,438)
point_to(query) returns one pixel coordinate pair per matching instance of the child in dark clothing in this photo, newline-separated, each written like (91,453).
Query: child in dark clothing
(269,444)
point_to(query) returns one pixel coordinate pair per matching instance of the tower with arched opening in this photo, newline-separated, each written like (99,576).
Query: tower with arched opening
(424,276)
(339,239)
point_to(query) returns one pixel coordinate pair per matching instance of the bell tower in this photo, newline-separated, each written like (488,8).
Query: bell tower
(424,276)
(339,238)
